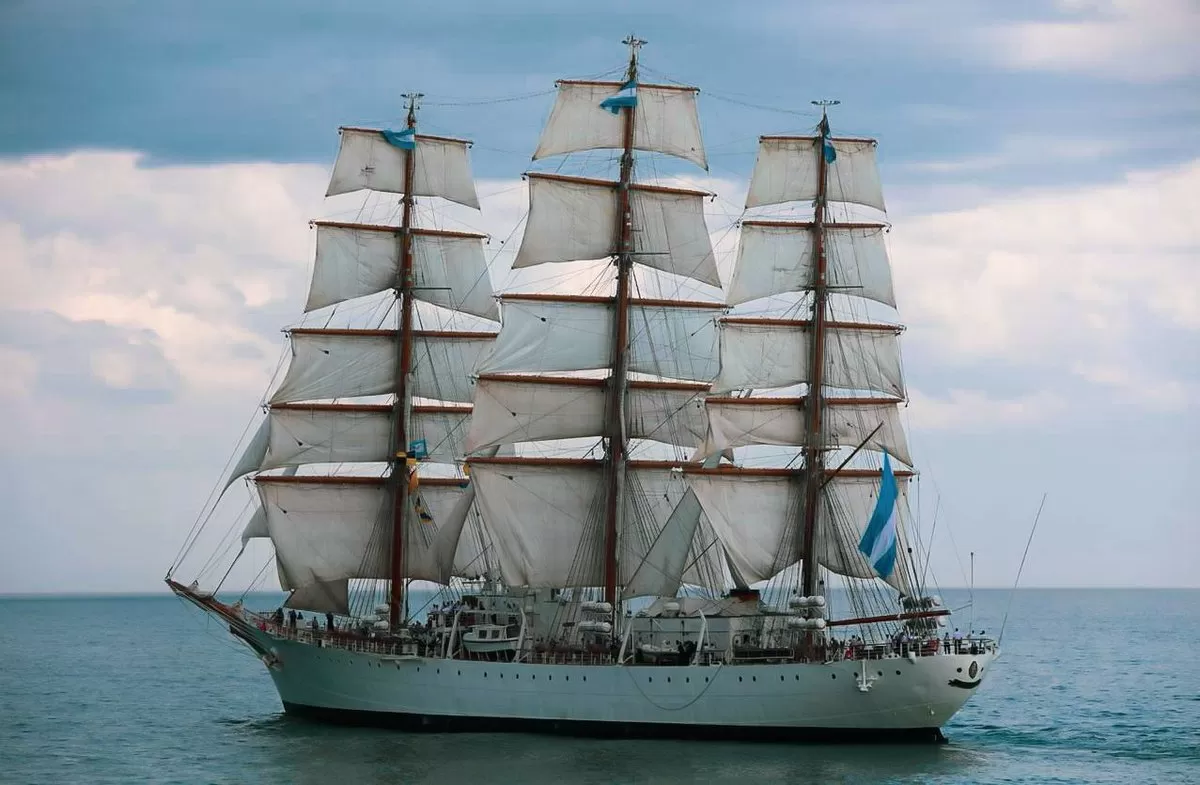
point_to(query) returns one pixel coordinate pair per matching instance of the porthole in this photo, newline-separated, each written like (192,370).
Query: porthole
(460,673)
(650,680)
(880,673)
(832,676)
(668,680)
(797,677)
(753,678)
(897,673)
(687,680)
(781,678)
(485,674)
(739,678)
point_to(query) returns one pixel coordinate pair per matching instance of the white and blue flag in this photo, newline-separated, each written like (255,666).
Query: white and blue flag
(625,97)
(826,142)
(405,139)
(879,540)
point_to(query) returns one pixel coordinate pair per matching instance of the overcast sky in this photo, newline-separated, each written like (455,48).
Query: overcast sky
(160,160)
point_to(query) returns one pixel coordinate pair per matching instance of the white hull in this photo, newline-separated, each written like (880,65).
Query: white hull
(905,699)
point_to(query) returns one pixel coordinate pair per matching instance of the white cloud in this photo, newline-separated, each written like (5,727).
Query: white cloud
(974,411)
(165,288)
(1135,40)
(1058,278)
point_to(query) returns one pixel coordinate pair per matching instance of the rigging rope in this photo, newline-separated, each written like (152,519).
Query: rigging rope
(1013,591)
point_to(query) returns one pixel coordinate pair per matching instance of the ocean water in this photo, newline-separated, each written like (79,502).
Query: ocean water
(1094,686)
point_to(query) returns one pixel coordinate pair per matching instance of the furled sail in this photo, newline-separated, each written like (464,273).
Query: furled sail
(366,160)
(667,121)
(572,218)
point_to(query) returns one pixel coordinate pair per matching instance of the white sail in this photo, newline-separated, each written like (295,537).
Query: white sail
(256,527)
(540,517)
(327,434)
(572,219)
(527,409)
(544,334)
(776,257)
(356,260)
(764,353)
(328,529)
(322,597)
(740,422)
(325,532)
(547,523)
(755,515)
(787,170)
(252,456)
(754,521)
(660,574)
(666,121)
(367,160)
(347,363)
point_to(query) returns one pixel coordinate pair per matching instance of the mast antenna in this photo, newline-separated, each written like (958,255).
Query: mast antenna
(414,103)
(634,43)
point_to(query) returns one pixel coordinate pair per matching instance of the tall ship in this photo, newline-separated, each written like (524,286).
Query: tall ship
(615,499)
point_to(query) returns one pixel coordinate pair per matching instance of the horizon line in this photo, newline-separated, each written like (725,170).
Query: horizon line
(70,594)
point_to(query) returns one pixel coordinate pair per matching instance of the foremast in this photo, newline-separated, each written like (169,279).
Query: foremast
(814,444)
(615,425)
(400,407)
(333,515)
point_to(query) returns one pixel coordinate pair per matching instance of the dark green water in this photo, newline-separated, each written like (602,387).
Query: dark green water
(1094,686)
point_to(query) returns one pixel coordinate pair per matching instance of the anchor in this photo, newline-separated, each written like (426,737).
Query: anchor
(863,680)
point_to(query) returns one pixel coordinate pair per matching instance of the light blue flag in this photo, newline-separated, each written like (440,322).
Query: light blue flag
(405,140)
(879,540)
(826,142)
(625,97)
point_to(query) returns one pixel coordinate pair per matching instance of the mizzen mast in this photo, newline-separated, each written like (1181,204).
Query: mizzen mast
(615,420)
(399,460)
(814,456)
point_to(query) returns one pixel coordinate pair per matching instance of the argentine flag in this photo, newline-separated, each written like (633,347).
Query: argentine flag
(625,97)
(879,540)
(405,140)
(827,143)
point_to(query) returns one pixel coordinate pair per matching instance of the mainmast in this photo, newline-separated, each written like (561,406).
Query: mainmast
(813,444)
(399,461)
(615,420)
